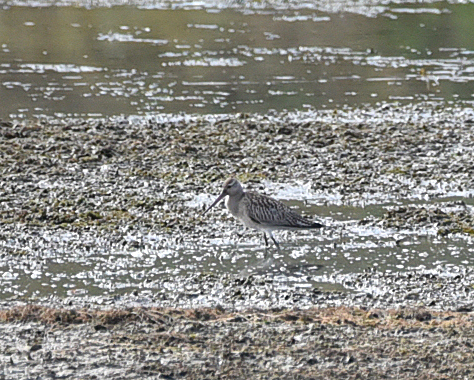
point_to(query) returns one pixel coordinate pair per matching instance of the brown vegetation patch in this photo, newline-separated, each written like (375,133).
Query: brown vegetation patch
(386,319)
(211,343)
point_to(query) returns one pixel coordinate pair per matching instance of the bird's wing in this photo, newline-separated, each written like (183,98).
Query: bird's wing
(268,211)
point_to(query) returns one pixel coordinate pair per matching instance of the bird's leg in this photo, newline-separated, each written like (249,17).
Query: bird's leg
(274,240)
(266,245)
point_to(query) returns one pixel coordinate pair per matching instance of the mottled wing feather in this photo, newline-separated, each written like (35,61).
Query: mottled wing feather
(270,212)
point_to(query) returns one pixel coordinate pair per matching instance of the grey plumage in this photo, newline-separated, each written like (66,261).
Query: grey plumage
(260,212)
(269,212)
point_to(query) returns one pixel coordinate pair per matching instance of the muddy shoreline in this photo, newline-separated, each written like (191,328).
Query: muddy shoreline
(75,191)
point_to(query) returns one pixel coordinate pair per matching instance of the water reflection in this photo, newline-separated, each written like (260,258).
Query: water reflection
(63,263)
(80,62)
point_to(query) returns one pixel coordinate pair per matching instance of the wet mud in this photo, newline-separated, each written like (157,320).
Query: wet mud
(103,246)
(124,197)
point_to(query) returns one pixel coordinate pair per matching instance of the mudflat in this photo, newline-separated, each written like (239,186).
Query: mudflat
(108,269)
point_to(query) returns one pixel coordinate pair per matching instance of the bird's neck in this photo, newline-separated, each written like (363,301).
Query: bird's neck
(232,203)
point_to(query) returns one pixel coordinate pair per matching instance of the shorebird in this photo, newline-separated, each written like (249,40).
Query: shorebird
(260,212)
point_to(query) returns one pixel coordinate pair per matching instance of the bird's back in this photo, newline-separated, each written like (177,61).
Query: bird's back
(268,213)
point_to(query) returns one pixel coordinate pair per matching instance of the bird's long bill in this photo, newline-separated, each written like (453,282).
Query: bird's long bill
(215,202)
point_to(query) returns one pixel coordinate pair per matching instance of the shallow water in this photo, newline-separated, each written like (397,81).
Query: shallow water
(63,263)
(66,61)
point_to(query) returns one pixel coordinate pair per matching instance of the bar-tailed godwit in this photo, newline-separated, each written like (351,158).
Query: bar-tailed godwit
(260,212)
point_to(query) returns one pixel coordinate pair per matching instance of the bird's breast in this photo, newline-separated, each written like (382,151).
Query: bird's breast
(233,206)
